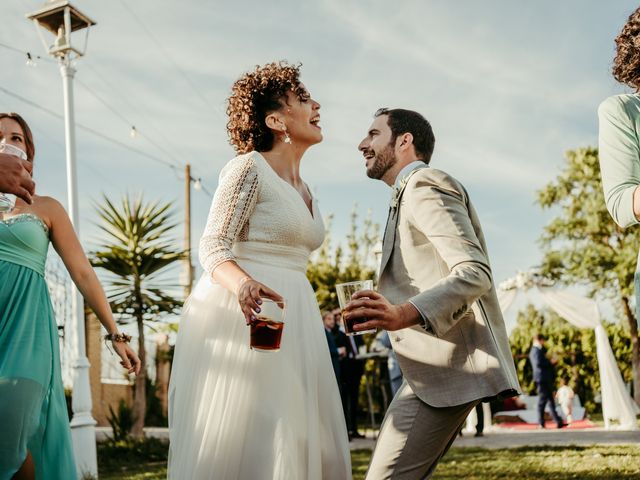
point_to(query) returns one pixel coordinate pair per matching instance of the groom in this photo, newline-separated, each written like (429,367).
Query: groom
(436,297)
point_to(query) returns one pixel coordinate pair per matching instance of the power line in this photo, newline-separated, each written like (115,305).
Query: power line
(88,129)
(30,56)
(117,93)
(125,120)
(94,132)
(170,59)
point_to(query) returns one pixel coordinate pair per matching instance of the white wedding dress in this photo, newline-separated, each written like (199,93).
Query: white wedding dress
(235,413)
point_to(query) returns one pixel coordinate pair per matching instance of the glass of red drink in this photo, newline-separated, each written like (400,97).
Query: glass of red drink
(266,329)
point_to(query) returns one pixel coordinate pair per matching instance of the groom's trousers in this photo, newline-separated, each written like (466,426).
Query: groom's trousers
(414,436)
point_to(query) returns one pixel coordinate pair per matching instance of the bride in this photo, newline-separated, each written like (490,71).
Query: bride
(235,413)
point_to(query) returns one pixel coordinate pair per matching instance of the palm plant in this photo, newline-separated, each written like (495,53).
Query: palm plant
(138,249)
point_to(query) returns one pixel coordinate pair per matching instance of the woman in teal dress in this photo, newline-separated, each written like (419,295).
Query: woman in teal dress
(35,438)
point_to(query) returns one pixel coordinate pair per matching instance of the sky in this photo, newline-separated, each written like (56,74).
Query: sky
(507,86)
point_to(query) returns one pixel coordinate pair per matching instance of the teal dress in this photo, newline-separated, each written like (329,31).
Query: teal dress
(33,412)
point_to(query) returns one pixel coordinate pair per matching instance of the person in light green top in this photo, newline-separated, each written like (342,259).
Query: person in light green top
(35,438)
(619,136)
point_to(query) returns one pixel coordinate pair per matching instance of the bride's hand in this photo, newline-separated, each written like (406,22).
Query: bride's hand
(250,293)
(128,357)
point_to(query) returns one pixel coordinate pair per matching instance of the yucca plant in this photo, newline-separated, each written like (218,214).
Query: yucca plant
(137,250)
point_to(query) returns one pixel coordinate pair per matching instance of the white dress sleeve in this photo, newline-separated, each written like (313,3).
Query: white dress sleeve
(232,206)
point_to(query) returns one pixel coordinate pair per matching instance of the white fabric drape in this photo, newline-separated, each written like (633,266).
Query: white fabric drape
(583,312)
(506,298)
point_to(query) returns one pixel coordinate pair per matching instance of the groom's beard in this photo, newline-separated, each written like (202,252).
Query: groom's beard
(382,162)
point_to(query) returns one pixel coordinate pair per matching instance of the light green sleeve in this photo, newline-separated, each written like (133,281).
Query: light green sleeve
(619,159)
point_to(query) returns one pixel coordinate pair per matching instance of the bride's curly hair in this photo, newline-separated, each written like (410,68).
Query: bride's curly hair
(626,64)
(253,96)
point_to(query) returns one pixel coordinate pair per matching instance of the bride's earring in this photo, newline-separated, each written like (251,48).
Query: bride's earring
(287,138)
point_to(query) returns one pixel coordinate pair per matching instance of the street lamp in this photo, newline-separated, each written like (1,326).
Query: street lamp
(62,19)
(377,252)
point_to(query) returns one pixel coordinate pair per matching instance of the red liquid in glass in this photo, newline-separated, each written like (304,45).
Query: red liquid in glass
(266,333)
(350,322)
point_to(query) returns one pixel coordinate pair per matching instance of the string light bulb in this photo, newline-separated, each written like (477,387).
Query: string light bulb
(133,133)
(197,184)
(30,62)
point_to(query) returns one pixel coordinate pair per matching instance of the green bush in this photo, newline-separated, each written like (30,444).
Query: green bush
(154,416)
(121,422)
(113,454)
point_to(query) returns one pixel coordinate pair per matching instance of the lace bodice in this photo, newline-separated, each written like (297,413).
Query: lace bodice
(253,204)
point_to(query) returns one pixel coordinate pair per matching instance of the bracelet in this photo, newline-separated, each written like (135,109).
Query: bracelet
(241,282)
(118,337)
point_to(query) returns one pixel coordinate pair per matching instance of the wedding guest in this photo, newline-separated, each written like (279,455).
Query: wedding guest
(544,377)
(235,413)
(564,397)
(36,437)
(351,371)
(329,322)
(619,147)
(479,421)
(382,342)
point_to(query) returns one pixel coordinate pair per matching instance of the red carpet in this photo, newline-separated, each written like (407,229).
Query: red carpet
(579,425)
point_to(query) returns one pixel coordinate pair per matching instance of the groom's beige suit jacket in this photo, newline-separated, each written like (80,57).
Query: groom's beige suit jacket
(434,255)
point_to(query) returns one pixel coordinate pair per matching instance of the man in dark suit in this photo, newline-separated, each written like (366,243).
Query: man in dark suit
(351,371)
(329,322)
(544,376)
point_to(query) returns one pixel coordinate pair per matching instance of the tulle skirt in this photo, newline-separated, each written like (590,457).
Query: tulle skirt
(236,413)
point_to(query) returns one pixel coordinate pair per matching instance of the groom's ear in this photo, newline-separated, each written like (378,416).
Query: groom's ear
(405,141)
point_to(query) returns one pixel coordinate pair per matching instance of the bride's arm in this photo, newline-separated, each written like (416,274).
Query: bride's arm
(66,243)
(249,291)
(233,204)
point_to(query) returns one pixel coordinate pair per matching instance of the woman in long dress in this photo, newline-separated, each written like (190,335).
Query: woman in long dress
(235,413)
(35,438)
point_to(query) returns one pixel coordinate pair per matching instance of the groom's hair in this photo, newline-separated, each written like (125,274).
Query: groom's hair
(403,121)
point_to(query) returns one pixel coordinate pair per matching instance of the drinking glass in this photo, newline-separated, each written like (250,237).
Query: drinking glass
(7,200)
(266,329)
(345,291)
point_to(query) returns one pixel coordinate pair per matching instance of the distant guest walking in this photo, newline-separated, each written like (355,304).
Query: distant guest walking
(544,376)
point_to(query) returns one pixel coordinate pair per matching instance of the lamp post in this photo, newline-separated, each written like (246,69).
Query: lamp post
(62,19)
(377,252)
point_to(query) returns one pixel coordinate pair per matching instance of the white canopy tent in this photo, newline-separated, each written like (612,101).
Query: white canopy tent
(581,312)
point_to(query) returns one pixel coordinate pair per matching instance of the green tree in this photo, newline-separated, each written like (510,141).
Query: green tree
(328,266)
(137,252)
(574,349)
(582,244)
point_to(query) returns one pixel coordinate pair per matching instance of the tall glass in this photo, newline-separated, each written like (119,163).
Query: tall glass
(345,291)
(8,201)
(266,329)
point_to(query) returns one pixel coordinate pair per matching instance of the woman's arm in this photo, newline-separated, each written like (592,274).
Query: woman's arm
(233,204)
(66,243)
(619,155)
(249,291)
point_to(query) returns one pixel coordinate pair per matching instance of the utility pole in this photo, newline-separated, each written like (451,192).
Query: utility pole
(188,268)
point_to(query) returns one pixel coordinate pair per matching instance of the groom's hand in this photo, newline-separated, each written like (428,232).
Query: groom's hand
(378,312)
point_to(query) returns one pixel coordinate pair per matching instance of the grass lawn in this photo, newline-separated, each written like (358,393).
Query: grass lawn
(600,462)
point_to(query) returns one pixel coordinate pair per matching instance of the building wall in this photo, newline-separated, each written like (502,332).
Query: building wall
(108,394)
